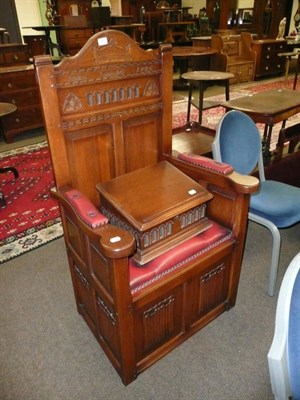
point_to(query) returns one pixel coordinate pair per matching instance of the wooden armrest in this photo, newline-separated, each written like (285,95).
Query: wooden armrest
(85,209)
(245,180)
(206,162)
(240,183)
(114,242)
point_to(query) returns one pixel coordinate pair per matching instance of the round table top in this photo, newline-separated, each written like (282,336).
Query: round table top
(207,75)
(45,27)
(7,108)
(191,51)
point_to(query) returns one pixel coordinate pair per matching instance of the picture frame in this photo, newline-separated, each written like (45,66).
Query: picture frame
(247,15)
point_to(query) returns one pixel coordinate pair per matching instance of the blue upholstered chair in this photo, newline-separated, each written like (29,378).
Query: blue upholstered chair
(284,353)
(275,205)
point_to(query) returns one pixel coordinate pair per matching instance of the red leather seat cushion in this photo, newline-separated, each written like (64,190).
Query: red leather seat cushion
(178,257)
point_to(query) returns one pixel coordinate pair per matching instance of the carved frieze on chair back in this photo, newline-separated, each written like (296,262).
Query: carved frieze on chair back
(106,103)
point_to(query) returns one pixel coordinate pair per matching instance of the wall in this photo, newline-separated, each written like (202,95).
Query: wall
(29,14)
(32,12)
(195,4)
(294,9)
(245,4)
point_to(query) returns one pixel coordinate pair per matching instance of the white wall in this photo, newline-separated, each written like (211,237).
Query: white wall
(195,4)
(116,8)
(28,12)
(245,3)
(294,9)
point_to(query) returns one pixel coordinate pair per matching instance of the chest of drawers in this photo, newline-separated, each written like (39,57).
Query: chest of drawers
(73,39)
(18,86)
(13,54)
(267,61)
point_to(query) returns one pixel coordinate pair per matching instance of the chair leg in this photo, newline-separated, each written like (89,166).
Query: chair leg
(10,169)
(275,250)
(296,72)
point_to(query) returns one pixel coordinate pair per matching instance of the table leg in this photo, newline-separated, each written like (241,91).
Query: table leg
(48,43)
(200,104)
(169,36)
(266,144)
(189,103)
(227,93)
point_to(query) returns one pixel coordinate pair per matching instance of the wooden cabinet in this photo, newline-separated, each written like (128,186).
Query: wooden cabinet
(36,44)
(265,21)
(18,86)
(73,39)
(234,55)
(267,60)
(13,54)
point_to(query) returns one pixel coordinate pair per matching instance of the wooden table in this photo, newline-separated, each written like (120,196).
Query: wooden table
(199,55)
(170,26)
(268,107)
(205,79)
(136,30)
(5,109)
(47,29)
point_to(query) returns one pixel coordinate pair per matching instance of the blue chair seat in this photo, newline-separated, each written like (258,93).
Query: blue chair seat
(283,212)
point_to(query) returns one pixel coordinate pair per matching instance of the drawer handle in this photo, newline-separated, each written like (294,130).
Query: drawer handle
(9,85)
(13,101)
(266,68)
(268,57)
(18,120)
(16,57)
(269,48)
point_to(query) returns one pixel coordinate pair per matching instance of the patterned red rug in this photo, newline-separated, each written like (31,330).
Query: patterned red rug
(31,216)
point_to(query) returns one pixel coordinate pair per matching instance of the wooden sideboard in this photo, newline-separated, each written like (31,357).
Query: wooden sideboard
(267,60)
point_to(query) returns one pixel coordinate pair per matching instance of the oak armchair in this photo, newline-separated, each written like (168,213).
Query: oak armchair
(108,115)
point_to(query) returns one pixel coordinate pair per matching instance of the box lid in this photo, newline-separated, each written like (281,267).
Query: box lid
(148,196)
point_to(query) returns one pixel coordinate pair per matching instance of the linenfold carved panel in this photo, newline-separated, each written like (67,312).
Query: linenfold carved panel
(158,322)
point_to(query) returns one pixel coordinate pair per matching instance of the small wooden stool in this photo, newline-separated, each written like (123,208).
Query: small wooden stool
(205,79)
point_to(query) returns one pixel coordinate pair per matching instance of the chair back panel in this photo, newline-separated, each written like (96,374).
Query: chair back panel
(294,337)
(237,142)
(103,110)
